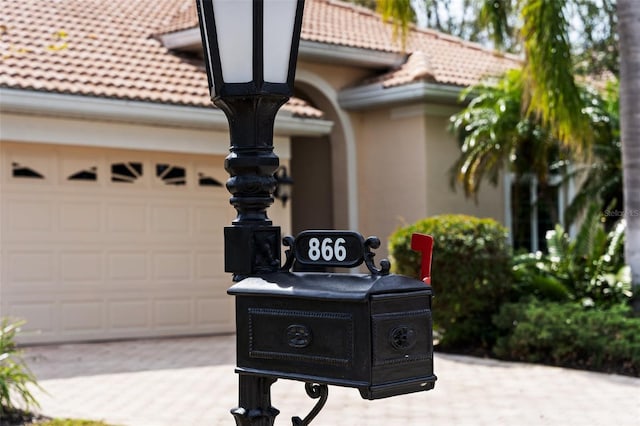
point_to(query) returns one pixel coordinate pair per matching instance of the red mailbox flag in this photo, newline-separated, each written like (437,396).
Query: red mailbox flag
(424,244)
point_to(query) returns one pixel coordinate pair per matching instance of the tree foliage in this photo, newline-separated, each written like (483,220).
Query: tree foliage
(588,269)
(602,177)
(400,12)
(479,21)
(548,71)
(596,49)
(494,132)
(542,29)
(562,39)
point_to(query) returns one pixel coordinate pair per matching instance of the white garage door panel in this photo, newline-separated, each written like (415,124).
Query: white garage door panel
(130,314)
(127,266)
(28,268)
(100,244)
(171,266)
(82,317)
(81,267)
(26,216)
(172,313)
(41,316)
(126,217)
(80,216)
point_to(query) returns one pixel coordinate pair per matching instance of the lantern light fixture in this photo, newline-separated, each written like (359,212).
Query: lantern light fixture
(250,46)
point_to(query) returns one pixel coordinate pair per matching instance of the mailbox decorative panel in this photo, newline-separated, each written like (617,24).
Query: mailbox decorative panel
(295,336)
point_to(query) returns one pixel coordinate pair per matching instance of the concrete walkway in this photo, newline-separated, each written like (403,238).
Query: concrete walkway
(191,381)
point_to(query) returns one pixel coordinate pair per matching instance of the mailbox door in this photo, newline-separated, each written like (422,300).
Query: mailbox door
(402,344)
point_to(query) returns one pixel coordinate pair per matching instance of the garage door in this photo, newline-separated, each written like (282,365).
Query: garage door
(102,244)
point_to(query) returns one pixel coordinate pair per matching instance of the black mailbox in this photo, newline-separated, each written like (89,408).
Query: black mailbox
(371,332)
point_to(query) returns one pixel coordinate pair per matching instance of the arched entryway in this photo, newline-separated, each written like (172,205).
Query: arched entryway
(324,167)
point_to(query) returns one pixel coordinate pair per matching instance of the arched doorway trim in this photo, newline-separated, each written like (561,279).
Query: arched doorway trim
(331,96)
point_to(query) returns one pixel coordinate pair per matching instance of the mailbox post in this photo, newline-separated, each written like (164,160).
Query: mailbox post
(371,332)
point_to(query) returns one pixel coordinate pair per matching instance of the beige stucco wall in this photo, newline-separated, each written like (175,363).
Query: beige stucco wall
(403,154)
(404,157)
(391,171)
(441,152)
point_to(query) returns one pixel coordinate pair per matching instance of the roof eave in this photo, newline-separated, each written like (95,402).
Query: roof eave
(376,95)
(346,55)
(140,112)
(189,40)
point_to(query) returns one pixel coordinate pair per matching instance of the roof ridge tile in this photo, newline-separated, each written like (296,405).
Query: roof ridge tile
(466,43)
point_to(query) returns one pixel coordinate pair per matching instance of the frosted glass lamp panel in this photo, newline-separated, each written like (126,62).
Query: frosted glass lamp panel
(279,19)
(234,26)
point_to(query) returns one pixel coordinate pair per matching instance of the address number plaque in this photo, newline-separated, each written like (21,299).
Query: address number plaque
(333,248)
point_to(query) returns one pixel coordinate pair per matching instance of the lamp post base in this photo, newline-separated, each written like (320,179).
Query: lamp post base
(255,401)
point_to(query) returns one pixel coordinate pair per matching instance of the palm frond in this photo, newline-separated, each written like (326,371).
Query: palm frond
(551,89)
(401,15)
(494,15)
(587,233)
(558,246)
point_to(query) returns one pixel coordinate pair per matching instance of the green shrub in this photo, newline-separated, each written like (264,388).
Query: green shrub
(567,334)
(588,268)
(471,276)
(15,377)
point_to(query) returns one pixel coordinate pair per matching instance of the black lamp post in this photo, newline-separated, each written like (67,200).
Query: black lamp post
(370,332)
(250,49)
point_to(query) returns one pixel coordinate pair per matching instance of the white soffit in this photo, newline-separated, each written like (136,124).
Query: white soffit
(376,95)
(137,112)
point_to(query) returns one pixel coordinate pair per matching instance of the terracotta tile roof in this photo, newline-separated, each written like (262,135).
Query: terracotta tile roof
(324,21)
(445,59)
(108,49)
(94,47)
(345,24)
(102,48)
(183,17)
(458,62)
(433,56)
(302,108)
